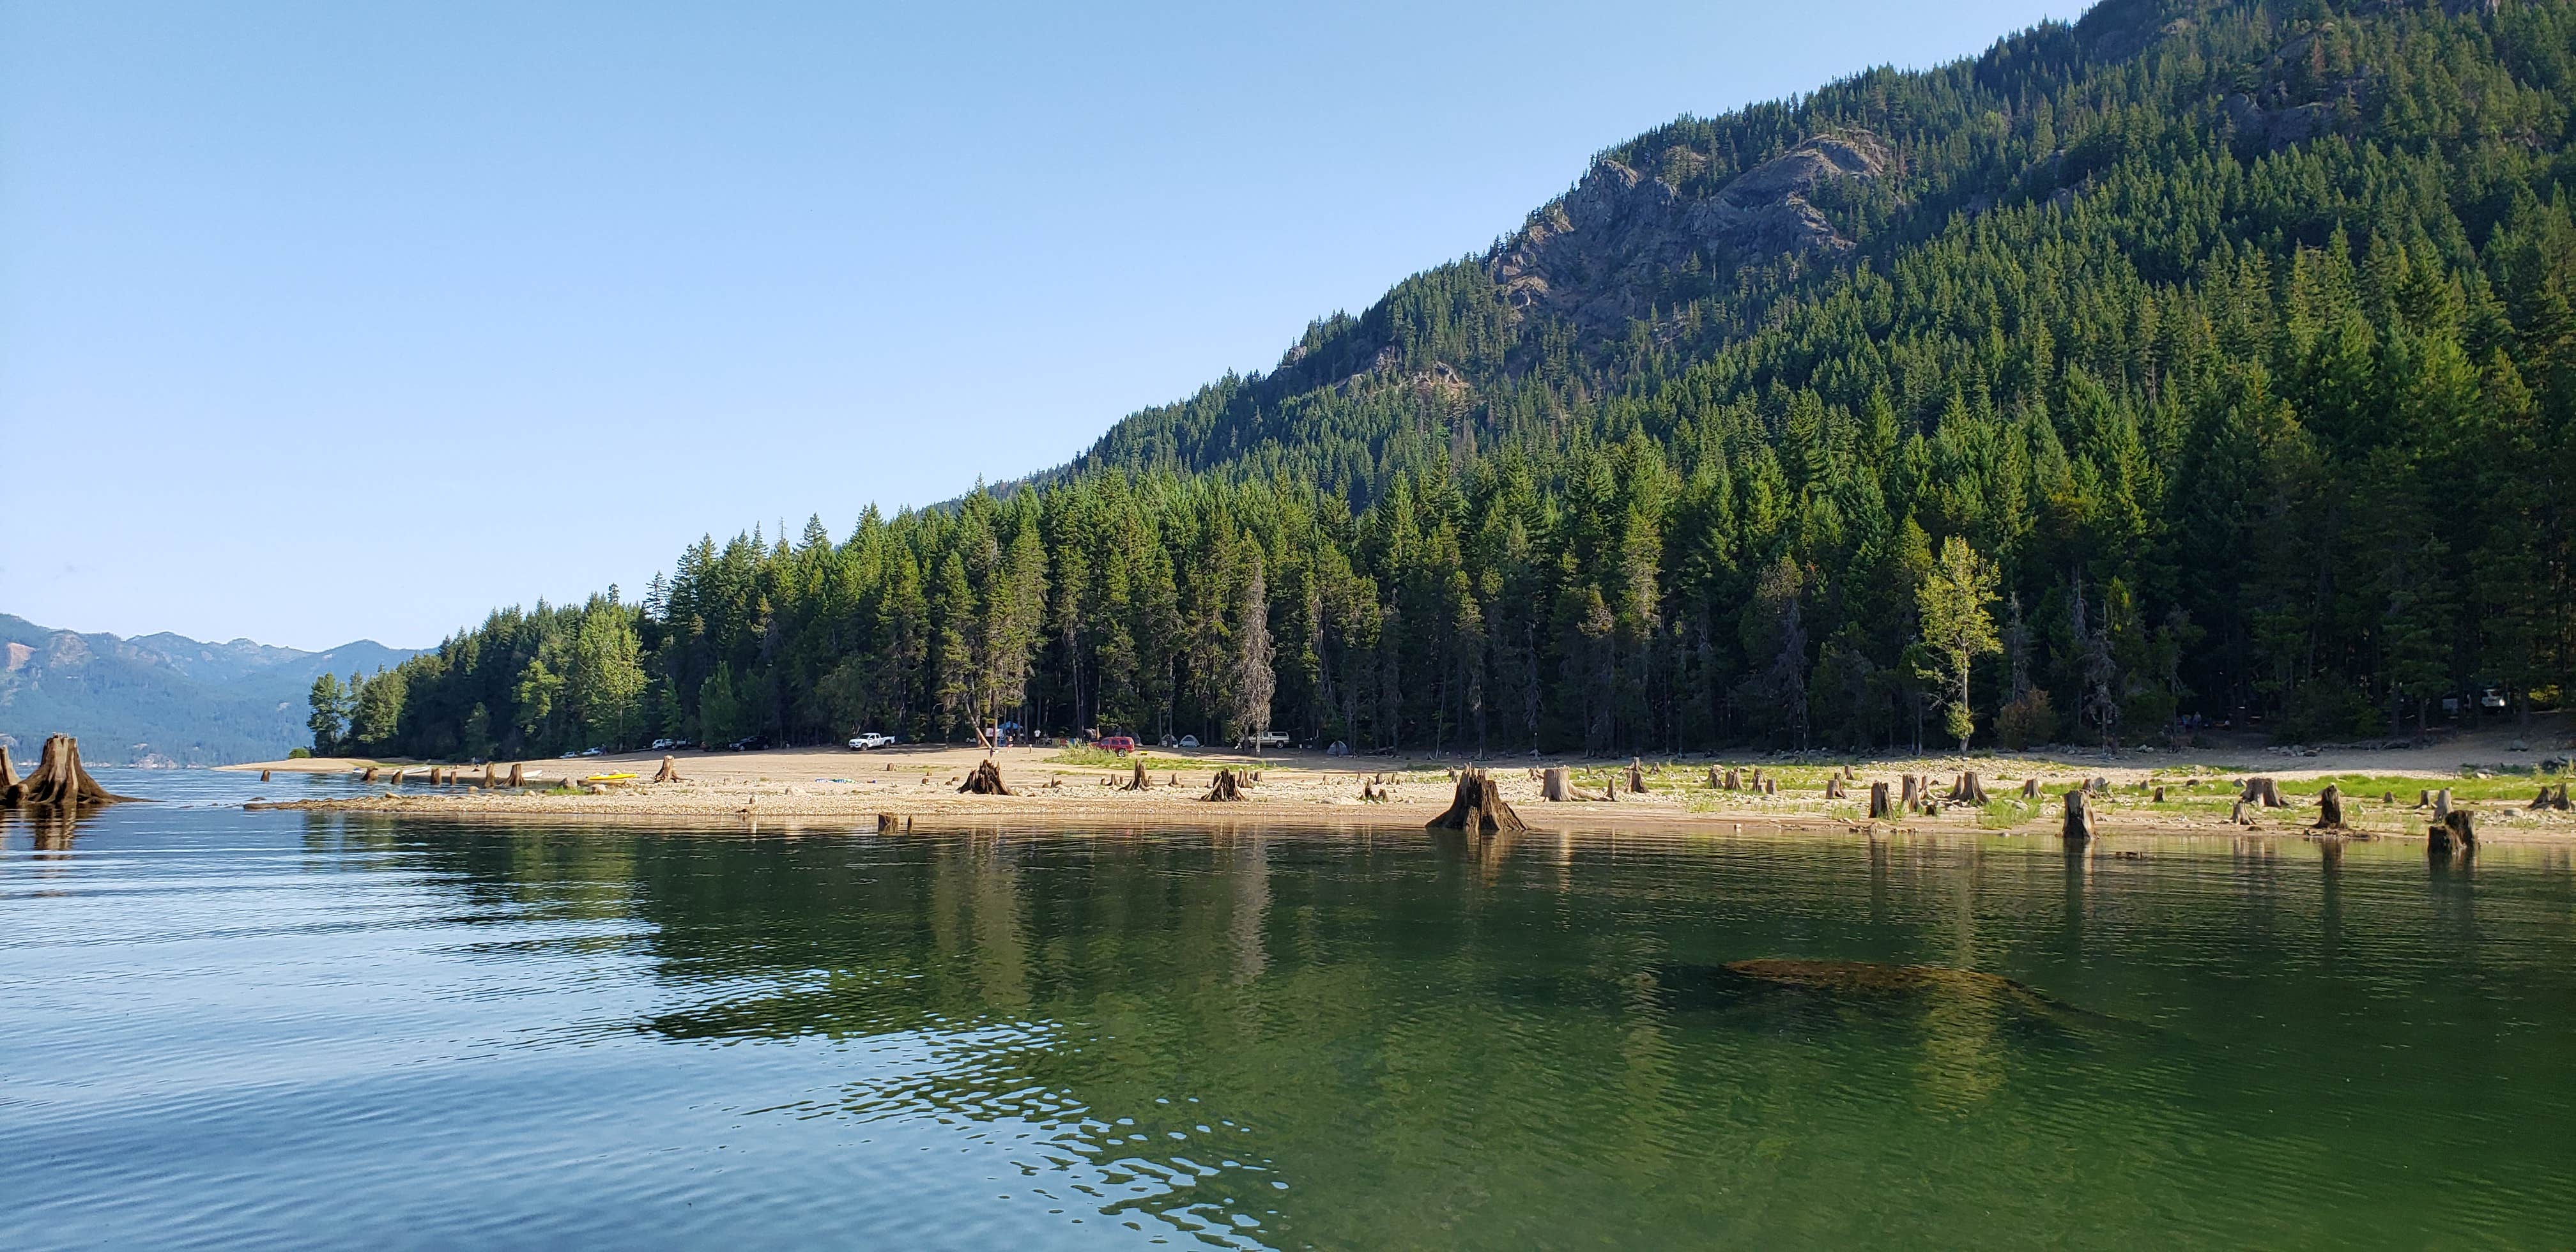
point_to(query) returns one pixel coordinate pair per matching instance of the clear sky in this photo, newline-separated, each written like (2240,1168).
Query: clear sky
(325,321)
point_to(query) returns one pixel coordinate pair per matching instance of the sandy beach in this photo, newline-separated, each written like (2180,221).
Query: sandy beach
(916,784)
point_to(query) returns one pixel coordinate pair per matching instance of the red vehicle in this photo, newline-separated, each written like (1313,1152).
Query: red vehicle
(1118,743)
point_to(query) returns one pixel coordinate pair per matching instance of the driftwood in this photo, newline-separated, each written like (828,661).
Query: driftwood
(2264,791)
(984,780)
(670,771)
(1478,807)
(2079,818)
(1968,790)
(1879,804)
(1225,786)
(1556,785)
(58,780)
(2329,808)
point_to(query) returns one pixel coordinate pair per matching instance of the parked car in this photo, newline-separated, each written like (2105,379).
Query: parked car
(1121,744)
(1189,741)
(660,745)
(1266,739)
(870,739)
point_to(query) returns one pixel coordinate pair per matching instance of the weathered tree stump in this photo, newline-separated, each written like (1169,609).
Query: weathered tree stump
(2159,797)
(2442,804)
(1833,787)
(487,777)
(2423,799)
(1556,785)
(1734,781)
(2101,786)
(886,823)
(1227,785)
(1911,794)
(367,775)
(2079,818)
(670,771)
(1136,779)
(1880,805)
(2030,788)
(2560,803)
(2264,791)
(1770,786)
(1636,779)
(2239,816)
(1968,790)
(2463,825)
(518,774)
(58,781)
(2456,832)
(984,780)
(2541,801)
(1478,807)
(2329,808)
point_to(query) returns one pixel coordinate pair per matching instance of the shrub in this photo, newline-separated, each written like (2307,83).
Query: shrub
(2028,720)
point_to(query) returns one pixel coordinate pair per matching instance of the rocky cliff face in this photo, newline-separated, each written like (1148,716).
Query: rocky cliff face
(1598,253)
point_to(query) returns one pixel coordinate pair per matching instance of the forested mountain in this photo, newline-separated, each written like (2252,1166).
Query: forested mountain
(2206,359)
(163,699)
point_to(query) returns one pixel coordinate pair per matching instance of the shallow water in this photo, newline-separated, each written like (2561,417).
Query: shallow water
(225,1028)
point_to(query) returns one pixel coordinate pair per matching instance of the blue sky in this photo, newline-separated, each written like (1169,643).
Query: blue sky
(359,320)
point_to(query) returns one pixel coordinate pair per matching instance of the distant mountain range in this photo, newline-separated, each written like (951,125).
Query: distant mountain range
(163,699)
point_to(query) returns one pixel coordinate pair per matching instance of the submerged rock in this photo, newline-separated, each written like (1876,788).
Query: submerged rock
(1835,987)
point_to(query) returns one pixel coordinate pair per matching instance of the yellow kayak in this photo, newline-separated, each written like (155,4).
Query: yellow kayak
(608,777)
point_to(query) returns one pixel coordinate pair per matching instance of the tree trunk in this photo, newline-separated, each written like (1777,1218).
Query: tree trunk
(2079,818)
(2330,808)
(58,780)
(1555,785)
(985,780)
(1880,809)
(1225,786)
(1478,807)
(1968,790)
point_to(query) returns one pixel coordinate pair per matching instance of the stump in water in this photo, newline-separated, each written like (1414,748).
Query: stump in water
(1136,780)
(2457,831)
(2464,827)
(2329,808)
(1478,807)
(885,823)
(1968,790)
(2030,788)
(58,780)
(518,774)
(985,780)
(487,777)
(7,778)
(2079,818)
(398,776)
(1880,806)
(1225,786)
(2264,791)
(1636,779)
(367,775)
(1556,785)
(670,771)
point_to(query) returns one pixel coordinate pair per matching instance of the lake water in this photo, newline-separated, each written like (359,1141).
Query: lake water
(221,1027)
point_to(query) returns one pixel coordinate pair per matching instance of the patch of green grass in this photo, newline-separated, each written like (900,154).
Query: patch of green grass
(2006,813)
(1102,758)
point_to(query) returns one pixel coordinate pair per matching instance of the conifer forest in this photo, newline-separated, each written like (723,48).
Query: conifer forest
(2191,363)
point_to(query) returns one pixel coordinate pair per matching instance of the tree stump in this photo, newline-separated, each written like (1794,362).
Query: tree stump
(2463,825)
(1912,793)
(2560,803)
(1556,784)
(1478,807)
(487,777)
(1136,779)
(1968,790)
(1880,806)
(2079,818)
(2159,797)
(2423,799)
(2541,801)
(367,775)
(2456,832)
(886,823)
(58,781)
(518,774)
(670,771)
(2101,786)
(984,780)
(398,776)
(2264,791)
(2030,788)
(1770,786)
(2238,816)
(1833,787)
(2329,808)
(1636,779)
(2442,804)
(1227,785)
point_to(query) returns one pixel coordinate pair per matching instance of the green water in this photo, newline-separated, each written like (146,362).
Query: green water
(231,1028)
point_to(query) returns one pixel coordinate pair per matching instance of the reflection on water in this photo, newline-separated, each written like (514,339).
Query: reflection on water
(340,1028)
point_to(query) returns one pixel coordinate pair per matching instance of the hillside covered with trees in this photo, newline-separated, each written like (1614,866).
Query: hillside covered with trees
(2195,360)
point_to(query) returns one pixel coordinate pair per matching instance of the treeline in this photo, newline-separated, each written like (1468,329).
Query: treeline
(2246,360)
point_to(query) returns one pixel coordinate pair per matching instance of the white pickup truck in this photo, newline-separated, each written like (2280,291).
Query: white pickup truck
(1267,739)
(870,740)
